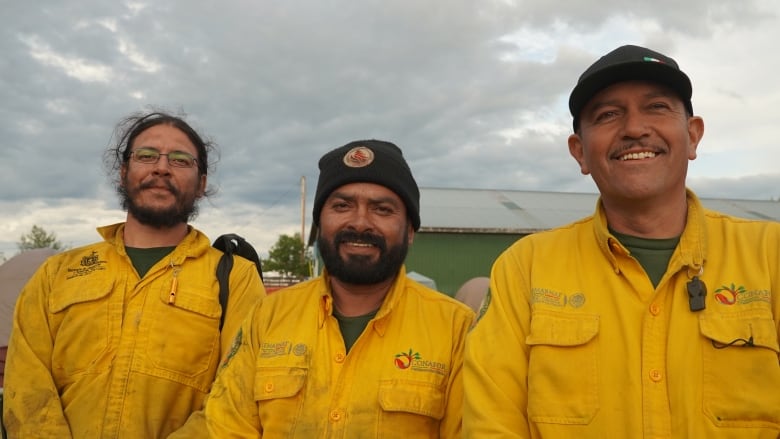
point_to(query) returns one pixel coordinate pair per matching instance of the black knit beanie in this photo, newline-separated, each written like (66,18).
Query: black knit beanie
(368,161)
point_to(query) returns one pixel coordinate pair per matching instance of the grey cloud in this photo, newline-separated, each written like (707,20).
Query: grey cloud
(278,83)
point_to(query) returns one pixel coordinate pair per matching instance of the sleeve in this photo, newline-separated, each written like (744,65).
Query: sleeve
(246,289)
(496,357)
(451,424)
(32,406)
(231,410)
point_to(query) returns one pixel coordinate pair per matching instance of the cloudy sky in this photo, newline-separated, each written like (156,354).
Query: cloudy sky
(473,91)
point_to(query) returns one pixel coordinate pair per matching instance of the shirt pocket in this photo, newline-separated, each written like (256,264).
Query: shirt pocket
(410,408)
(183,338)
(563,361)
(278,392)
(741,377)
(83,327)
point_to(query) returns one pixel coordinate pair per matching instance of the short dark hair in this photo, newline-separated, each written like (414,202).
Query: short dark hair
(118,154)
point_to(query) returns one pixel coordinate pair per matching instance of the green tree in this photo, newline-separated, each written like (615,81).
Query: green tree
(39,238)
(288,257)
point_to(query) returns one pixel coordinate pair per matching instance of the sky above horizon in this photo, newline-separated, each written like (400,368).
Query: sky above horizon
(474,92)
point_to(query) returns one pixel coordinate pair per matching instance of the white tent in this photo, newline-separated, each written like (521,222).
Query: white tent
(473,291)
(14,273)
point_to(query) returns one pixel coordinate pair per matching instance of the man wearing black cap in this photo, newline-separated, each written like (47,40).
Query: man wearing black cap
(653,318)
(361,351)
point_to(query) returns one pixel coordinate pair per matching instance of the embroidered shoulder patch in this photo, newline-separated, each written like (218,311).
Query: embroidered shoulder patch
(483,307)
(233,347)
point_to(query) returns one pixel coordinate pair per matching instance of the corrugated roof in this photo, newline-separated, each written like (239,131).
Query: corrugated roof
(514,211)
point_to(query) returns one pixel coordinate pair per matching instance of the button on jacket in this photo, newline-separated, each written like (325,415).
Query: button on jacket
(291,377)
(96,352)
(577,343)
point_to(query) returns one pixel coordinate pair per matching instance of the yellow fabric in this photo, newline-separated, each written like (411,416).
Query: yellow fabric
(96,352)
(576,343)
(291,377)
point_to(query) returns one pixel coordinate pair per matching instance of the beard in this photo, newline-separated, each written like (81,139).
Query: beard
(359,269)
(181,211)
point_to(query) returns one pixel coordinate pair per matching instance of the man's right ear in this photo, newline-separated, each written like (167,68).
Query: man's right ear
(577,151)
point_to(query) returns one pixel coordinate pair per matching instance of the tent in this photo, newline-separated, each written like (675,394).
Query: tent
(473,291)
(14,273)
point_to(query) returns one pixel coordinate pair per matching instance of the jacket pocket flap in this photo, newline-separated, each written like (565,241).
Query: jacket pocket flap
(416,397)
(201,301)
(559,329)
(272,383)
(756,327)
(79,291)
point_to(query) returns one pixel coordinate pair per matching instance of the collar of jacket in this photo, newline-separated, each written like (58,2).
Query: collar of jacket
(379,323)
(194,245)
(690,253)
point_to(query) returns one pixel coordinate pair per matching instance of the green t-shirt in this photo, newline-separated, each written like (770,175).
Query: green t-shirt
(352,327)
(653,254)
(144,258)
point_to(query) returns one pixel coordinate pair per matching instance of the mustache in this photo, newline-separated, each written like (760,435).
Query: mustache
(366,237)
(156,182)
(641,143)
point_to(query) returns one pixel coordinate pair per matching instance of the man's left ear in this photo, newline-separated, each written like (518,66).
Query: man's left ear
(203,183)
(695,133)
(411,233)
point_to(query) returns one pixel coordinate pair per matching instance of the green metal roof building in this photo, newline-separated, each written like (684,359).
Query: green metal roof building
(463,230)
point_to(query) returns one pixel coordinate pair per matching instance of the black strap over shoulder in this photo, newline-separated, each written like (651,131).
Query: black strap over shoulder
(232,244)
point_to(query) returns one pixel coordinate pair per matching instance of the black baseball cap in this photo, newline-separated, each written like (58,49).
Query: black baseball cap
(628,63)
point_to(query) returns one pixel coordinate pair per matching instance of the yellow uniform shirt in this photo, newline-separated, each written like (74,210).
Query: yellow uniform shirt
(96,352)
(291,377)
(576,343)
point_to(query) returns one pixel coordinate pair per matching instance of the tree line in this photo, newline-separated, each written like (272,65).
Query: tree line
(288,256)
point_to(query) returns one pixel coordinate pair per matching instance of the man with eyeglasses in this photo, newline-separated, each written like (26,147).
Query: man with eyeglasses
(121,338)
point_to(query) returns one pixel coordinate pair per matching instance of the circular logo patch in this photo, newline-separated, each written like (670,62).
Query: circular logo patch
(577,300)
(358,157)
(299,349)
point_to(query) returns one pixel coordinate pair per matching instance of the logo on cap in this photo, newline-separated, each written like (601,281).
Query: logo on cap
(359,157)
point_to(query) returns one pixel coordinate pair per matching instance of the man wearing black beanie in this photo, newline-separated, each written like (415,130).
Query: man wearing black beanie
(362,350)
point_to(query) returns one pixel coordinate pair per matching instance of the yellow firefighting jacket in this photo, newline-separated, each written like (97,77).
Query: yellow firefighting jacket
(291,377)
(574,341)
(96,352)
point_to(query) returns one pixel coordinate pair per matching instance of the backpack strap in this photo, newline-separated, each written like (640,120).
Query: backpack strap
(223,273)
(231,244)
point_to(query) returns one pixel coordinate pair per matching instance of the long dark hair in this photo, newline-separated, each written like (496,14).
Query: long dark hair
(118,154)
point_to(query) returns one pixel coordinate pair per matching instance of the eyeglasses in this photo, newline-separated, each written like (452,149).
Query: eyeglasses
(177,159)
